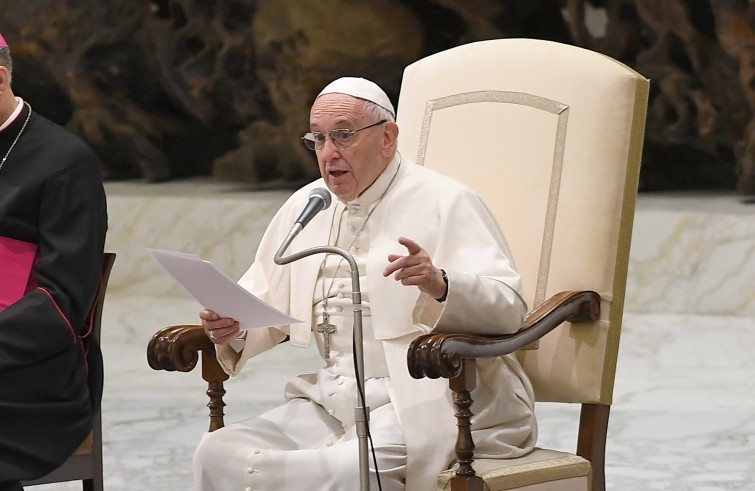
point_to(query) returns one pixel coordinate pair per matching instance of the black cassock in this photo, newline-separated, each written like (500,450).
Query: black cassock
(51,373)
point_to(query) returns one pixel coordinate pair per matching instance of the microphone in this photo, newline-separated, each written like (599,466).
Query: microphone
(319,199)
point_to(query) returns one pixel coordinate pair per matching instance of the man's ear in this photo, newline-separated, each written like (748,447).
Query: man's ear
(4,79)
(390,138)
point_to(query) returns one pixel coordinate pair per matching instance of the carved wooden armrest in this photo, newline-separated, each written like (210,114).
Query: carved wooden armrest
(176,348)
(438,355)
(453,355)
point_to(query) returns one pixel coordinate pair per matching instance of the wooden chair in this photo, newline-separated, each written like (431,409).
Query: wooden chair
(550,136)
(86,462)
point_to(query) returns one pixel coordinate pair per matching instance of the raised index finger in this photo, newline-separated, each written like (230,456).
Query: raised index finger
(411,246)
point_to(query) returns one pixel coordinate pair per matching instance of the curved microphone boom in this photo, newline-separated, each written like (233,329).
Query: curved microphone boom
(319,199)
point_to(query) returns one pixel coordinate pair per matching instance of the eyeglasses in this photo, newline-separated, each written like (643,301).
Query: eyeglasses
(341,138)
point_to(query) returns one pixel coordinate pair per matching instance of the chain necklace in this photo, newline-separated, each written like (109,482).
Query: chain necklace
(325,327)
(2,162)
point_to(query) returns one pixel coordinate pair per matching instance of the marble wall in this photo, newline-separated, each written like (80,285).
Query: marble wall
(693,254)
(221,222)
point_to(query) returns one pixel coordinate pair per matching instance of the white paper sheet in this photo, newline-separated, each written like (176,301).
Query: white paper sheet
(216,291)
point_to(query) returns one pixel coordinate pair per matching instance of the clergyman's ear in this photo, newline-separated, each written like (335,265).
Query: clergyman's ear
(390,137)
(4,78)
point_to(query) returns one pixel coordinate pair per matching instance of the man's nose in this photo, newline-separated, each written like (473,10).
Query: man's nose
(329,149)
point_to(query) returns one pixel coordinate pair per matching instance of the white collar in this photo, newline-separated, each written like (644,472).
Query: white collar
(378,188)
(14,114)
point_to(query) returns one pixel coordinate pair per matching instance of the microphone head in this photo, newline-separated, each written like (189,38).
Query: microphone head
(323,194)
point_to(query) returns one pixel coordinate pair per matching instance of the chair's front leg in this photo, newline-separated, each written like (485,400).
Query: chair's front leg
(462,385)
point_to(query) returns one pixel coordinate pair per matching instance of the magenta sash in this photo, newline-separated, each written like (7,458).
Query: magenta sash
(16,277)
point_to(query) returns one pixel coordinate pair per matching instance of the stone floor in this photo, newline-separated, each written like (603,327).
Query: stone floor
(683,416)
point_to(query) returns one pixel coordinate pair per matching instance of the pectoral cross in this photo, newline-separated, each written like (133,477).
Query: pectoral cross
(326,329)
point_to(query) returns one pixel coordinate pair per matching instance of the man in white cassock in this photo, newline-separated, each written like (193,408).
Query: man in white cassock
(431,258)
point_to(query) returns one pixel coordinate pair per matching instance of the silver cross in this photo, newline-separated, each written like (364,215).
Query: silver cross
(326,329)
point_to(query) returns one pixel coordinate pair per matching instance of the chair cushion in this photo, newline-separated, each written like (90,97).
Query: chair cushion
(540,469)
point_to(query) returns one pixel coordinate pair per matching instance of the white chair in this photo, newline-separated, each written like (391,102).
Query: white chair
(550,136)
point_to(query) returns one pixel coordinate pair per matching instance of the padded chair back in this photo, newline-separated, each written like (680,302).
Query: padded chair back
(86,462)
(550,136)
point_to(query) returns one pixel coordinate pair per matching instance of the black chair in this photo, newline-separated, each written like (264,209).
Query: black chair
(86,462)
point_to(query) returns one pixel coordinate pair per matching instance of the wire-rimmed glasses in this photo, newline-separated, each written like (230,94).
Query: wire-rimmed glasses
(341,138)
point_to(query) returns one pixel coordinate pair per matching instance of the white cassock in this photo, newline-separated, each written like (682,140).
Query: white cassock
(309,442)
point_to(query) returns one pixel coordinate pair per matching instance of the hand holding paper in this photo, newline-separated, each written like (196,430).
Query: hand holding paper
(216,291)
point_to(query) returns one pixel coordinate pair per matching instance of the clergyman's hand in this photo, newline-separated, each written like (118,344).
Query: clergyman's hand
(220,330)
(416,268)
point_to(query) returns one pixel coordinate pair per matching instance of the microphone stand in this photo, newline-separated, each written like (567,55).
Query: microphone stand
(361,410)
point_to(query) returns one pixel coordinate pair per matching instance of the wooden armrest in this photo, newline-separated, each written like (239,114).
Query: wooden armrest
(176,348)
(440,355)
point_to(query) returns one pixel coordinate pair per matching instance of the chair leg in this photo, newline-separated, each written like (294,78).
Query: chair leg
(591,443)
(462,385)
(94,484)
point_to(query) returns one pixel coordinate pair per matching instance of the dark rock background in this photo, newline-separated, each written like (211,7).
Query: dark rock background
(175,88)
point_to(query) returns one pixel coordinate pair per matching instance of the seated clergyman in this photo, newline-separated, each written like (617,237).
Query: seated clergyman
(431,258)
(53,219)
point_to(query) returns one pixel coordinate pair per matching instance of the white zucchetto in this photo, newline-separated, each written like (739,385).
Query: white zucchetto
(362,89)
